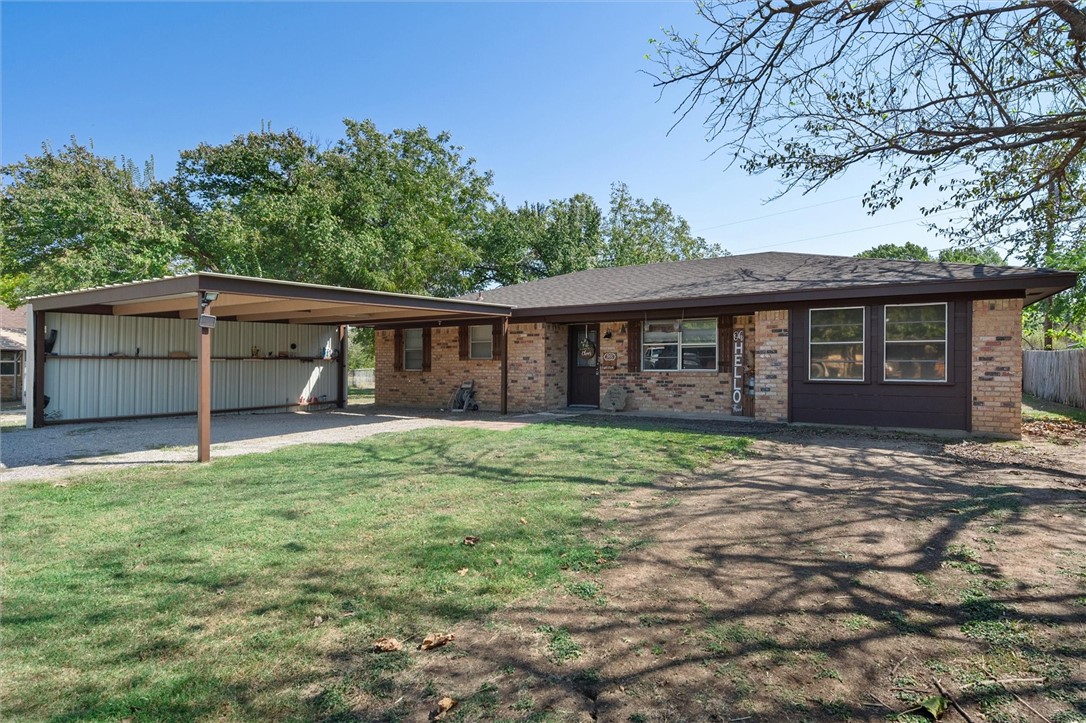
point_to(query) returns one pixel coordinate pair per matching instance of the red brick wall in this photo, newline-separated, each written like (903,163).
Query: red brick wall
(434,388)
(527,370)
(662,391)
(538,372)
(771,365)
(997,367)
(556,380)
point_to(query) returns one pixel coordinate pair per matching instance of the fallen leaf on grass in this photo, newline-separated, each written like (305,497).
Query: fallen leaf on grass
(523,521)
(471,540)
(387,645)
(497,561)
(443,706)
(936,705)
(436,640)
(317,621)
(462,571)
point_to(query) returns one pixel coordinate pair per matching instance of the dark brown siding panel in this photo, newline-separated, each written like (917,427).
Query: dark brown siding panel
(465,342)
(878,403)
(633,346)
(426,349)
(496,340)
(397,350)
(724,344)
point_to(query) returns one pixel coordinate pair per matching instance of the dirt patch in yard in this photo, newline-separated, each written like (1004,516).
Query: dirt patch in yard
(826,576)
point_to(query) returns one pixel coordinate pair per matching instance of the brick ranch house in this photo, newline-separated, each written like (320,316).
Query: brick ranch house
(779,337)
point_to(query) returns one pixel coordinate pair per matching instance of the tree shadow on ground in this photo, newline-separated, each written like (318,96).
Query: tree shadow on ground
(828,576)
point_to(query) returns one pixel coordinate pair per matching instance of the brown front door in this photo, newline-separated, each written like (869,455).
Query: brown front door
(584,365)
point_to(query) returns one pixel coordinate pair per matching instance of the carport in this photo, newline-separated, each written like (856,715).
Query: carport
(207,342)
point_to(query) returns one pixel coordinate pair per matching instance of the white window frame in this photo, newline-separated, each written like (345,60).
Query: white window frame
(945,340)
(489,341)
(679,362)
(863,345)
(421,349)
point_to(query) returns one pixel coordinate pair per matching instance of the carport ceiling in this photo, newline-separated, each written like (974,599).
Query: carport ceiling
(247,299)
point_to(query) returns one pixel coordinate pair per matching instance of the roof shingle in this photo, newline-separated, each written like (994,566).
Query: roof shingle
(744,275)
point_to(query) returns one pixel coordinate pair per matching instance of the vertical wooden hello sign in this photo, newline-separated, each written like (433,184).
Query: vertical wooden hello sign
(738,337)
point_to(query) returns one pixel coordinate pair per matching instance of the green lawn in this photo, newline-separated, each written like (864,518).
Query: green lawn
(1036,409)
(195,592)
(358,395)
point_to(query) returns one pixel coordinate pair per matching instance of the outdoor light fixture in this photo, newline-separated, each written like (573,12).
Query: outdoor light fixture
(206,297)
(207,321)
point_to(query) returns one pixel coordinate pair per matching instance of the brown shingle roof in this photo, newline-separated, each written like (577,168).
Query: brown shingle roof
(13,319)
(751,275)
(12,328)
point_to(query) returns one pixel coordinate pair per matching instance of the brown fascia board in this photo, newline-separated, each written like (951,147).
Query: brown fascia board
(1052,283)
(102,297)
(116,294)
(315,292)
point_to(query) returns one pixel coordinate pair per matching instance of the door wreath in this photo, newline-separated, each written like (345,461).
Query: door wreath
(587,349)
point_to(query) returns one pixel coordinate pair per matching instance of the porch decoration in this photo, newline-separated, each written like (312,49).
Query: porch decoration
(586,349)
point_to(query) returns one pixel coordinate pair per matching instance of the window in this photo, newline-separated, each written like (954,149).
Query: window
(837,344)
(9,363)
(412,349)
(482,342)
(915,343)
(674,345)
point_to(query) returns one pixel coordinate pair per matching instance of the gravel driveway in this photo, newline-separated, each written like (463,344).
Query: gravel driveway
(63,450)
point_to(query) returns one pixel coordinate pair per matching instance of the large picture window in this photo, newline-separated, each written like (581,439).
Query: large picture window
(679,345)
(482,342)
(412,349)
(915,343)
(837,344)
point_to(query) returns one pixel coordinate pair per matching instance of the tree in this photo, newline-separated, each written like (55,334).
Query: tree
(394,212)
(643,232)
(984,99)
(538,240)
(970,255)
(906,252)
(73,219)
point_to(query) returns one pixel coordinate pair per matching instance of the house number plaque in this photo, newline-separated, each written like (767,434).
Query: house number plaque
(738,337)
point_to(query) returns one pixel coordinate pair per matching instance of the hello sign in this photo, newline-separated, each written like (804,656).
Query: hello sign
(738,339)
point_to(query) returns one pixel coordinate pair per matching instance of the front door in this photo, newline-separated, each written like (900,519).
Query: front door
(584,364)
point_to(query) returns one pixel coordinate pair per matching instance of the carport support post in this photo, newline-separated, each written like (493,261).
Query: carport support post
(505,366)
(37,368)
(341,400)
(203,393)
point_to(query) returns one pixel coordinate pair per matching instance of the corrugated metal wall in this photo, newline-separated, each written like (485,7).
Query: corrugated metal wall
(80,386)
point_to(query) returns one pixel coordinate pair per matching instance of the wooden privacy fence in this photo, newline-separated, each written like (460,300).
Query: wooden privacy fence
(1059,376)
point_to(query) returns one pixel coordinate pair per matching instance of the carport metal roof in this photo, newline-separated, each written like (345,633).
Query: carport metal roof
(243,298)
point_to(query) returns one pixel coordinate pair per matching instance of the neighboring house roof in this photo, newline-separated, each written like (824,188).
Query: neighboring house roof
(763,278)
(13,328)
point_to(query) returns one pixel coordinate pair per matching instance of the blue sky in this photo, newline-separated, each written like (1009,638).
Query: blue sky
(551,97)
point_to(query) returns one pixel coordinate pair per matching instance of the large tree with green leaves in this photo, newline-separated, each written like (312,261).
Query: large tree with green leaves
(983,99)
(398,211)
(538,240)
(914,252)
(73,219)
(637,231)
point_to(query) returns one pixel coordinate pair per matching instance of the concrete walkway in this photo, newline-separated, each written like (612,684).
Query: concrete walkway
(60,451)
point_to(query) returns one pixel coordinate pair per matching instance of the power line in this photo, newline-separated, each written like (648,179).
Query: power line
(843,233)
(777,213)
